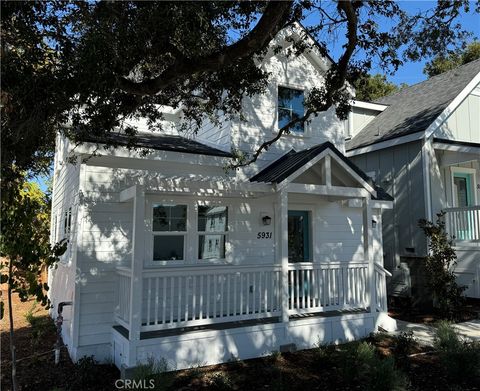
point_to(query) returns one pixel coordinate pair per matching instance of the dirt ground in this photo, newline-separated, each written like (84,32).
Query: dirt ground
(36,368)
(303,370)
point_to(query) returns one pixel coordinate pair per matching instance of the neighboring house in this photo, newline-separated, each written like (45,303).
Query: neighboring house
(169,257)
(422,144)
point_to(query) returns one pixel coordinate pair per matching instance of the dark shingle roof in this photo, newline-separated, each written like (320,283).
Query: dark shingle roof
(282,168)
(158,142)
(414,108)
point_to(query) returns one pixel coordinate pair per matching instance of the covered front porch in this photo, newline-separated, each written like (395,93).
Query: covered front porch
(287,296)
(457,191)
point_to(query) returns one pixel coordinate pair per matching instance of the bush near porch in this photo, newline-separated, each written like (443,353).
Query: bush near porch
(380,362)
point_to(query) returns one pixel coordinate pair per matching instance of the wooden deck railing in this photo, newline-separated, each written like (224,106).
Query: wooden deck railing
(122,307)
(194,296)
(205,295)
(463,223)
(318,287)
(380,275)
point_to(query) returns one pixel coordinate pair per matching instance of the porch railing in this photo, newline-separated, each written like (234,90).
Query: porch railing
(463,223)
(198,296)
(122,308)
(380,276)
(318,287)
(195,296)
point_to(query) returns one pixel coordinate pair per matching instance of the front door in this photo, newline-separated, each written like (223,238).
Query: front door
(462,198)
(462,189)
(298,236)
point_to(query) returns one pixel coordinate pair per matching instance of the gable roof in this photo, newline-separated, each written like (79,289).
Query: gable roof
(413,109)
(158,142)
(286,165)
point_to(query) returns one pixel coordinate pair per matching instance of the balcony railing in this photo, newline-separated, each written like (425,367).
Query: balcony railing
(464,224)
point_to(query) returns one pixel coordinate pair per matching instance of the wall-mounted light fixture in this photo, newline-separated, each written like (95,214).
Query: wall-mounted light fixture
(374,223)
(267,220)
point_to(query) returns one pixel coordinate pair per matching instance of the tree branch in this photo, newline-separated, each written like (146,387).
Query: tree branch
(336,82)
(272,21)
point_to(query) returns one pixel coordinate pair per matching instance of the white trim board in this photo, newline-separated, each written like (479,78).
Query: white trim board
(452,106)
(368,105)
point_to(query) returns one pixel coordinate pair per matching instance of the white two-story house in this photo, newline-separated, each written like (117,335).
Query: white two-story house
(170,257)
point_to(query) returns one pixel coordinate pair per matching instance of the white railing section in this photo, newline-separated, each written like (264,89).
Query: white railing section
(464,223)
(380,280)
(317,287)
(193,296)
(122,306)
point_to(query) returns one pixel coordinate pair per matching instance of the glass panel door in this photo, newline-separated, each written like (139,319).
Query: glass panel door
(462,189)
(462,198)
(298,236)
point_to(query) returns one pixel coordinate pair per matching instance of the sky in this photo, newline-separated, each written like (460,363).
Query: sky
(411,72)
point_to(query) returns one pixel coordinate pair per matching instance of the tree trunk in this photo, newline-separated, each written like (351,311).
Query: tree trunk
(10,315)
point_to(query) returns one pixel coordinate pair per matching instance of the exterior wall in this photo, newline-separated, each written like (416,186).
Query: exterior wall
(62,279)
(213,347)
(464,123)
(468,256)
(106,234)
(261,113)
(215,136)
(360,117)
(399,171)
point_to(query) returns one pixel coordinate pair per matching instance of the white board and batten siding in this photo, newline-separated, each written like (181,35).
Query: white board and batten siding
(464,123)
(398,170)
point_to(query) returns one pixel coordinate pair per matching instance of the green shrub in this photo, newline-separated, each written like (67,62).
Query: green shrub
(460,359)
(447,294)
(362,366)
(404,344)
(221,382)
(87,373)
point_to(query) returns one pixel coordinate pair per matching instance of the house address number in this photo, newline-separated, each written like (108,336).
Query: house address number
(264,235)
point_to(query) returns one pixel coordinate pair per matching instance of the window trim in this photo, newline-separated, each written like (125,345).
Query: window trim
(191,242)
(463,171)
(306,127)
(205,233)
(149,260)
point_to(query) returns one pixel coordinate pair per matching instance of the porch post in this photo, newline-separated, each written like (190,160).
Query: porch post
(367,248)
(283,250)
(138,244)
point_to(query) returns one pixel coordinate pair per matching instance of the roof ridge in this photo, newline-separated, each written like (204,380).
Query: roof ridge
(428,80)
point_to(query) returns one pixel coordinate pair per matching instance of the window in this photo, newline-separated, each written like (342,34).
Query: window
(212,230)
(290,107)
(67,223)
(169,228)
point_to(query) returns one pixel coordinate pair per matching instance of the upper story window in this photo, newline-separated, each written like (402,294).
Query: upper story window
(290,107)
(67,223)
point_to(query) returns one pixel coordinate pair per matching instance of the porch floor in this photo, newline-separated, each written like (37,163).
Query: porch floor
(232,325)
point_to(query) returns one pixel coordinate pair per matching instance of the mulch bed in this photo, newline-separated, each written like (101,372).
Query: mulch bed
(401,308)
(303,370)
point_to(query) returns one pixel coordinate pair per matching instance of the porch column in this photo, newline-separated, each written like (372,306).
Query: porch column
(138,245)
(367,248)
(283,249)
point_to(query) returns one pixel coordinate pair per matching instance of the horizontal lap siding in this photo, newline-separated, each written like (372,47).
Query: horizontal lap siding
(338,233)
(62,279)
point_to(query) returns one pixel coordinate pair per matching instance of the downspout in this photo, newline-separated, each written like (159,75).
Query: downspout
(58,323)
